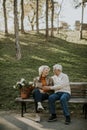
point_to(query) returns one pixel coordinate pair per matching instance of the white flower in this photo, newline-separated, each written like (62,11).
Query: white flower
(22,80)
(22,84)
(30,83)
(14,86)
(18,82)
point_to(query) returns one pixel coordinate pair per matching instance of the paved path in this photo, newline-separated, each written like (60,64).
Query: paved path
(13,121)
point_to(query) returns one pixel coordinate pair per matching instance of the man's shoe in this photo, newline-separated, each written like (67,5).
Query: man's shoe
(68,120)
(52,118)
(40,107)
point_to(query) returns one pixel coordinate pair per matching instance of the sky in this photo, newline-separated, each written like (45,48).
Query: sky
(70,14)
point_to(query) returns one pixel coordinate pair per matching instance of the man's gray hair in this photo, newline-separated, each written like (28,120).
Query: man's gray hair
(57,67)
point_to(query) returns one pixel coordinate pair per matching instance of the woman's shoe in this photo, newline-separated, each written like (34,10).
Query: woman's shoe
(40,107)
(37,119)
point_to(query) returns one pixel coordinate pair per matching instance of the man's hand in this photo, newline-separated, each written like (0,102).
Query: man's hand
(46,88)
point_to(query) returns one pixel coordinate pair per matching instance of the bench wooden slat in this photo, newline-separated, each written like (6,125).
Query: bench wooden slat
(24,100)
(72,100)
(78,100)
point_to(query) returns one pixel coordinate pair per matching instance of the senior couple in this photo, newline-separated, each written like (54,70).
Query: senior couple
(59,83)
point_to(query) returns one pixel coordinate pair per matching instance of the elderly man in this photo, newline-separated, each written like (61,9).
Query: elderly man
(62,92)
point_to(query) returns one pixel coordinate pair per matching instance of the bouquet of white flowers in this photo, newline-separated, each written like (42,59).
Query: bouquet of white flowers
(24,87)
(22,83)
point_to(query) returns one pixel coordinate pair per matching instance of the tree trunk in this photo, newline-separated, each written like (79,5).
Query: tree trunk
(5,16)
(46,19)
(37,25)
(22,16)
(32,26)
(81,20)
(52,18)
(16,29)
(58,17)
(32,22)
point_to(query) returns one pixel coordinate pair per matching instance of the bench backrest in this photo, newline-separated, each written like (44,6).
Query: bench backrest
(78,89)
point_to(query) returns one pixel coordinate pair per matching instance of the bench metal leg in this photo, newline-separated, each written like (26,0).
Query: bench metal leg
(85,110)
(23,108)
(35,106)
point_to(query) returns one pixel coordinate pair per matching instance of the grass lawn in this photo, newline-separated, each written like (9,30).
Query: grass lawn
(37,51)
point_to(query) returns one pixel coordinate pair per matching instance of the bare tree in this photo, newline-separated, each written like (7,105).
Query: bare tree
(22,16)
(5,16)
(81,20)
(77,4)
(52,18)
(37,24)
(16,29)
(30,8)
(60,8)
(32,20)
(47,19)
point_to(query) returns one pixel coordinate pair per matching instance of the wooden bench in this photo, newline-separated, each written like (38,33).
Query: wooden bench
(78,96)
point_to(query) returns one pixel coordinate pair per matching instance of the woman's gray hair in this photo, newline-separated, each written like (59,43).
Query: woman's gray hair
(57,67)
(41,68)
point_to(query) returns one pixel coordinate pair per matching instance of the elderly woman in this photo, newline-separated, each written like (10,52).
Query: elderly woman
(38,93)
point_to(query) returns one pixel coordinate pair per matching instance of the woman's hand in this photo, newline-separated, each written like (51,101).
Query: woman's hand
(38,85)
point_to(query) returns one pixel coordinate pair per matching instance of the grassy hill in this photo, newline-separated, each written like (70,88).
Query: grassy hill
(37,51)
